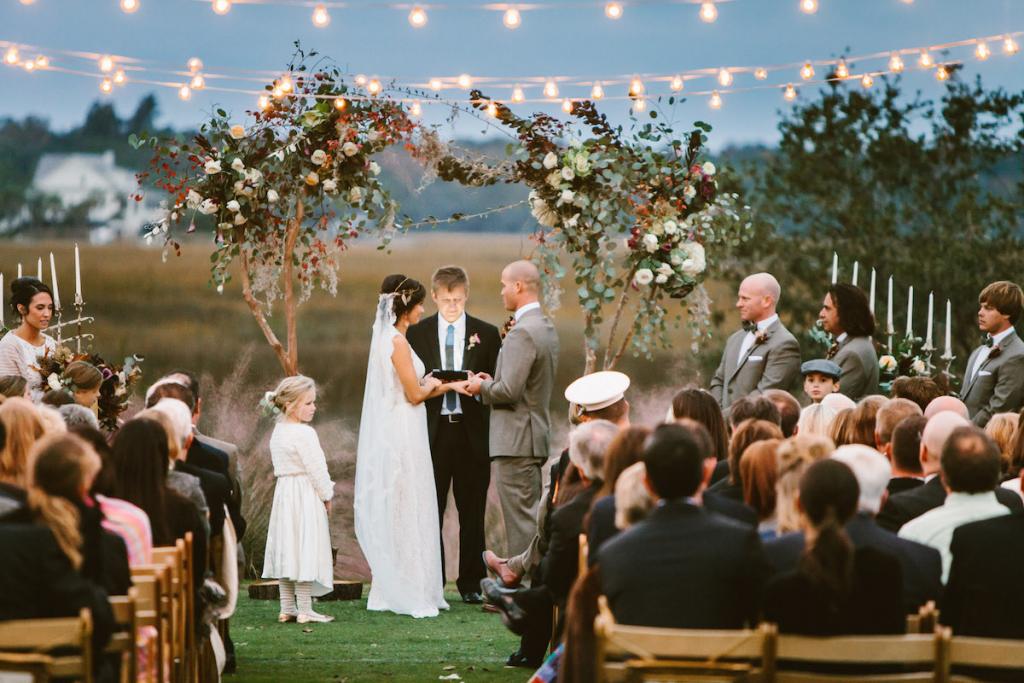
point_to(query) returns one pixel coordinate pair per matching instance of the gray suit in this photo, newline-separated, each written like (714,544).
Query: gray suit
(859,361)
(774,364)
(998,386)
(519,396)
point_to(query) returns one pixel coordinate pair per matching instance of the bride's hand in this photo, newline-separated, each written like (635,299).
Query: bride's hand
(430,383)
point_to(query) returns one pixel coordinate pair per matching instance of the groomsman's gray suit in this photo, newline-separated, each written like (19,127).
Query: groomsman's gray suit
(520,431)
(859,361)
(773,364)
(998,385)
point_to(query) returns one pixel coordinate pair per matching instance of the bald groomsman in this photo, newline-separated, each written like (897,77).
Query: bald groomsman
(994,382)
(764,354)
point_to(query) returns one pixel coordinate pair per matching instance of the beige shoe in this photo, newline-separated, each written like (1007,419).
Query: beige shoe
(314,617)
(284,617)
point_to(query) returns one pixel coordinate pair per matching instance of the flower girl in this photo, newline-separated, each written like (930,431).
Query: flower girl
(298,538)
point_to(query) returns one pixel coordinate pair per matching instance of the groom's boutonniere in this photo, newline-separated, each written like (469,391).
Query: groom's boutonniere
(472,341)
(761,337)
(994,353)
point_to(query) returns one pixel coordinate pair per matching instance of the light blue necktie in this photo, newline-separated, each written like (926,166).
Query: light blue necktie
(449,360)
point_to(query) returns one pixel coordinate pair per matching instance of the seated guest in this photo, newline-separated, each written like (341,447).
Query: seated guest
(789,410)
(682,567)
(888,416)
(23,428)
(821,378)
(946,404)
(74,415)
(1013,481)
(14,385)
(746,433)
(903,507)
(816,420)
(839,402)
(634,500)
(970,472)
(624,452)
(836,589)
(700,406)
(841,431)
(753,407)
(904,452)
(863,420)
(759,471)
(85,380)
(920,390)
(1000,429)
(55,398)
(795,455)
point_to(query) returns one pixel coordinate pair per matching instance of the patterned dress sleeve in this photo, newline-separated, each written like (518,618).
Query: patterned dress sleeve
(315,463)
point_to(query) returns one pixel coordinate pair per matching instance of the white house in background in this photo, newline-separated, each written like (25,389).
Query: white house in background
(77,178)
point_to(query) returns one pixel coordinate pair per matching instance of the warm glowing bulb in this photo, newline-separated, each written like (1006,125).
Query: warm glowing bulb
(418,17)
(716,100)
(42,61)
(708,12)
(760,73)
(435,84)
(416,109)
(106,85)
(982,52)
(277,93)
(198,82)
(567,105)
(789,93)
(340,103)
(809,6)
(512,19)
(807,71)
(613,10)
(867,81)
(636,87)
(321,17)
(724,77)
(517,94)
(895,63)
(464,81)
(373,87)
(597,92)
(263,102)
(106,64)
(11,56)
(842,71)
(640,104)
(129,6)
(941,73)
(550,89)
(360,80)
(28,2)
(195,64)
(29,65)
(677,83)
(1010,46)
(185,92)
(285,84)
(492,110)
(221,6)
(119,77)
(925,60)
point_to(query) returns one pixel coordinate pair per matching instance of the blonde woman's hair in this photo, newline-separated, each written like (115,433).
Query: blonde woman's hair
(290,390)
(1001,427)
(164,420)
(816,419)
(52,420)
(180,419)
(633,501)
(24,427)
(794,456)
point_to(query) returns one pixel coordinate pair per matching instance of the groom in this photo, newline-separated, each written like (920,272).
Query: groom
(519,395)
(458,425)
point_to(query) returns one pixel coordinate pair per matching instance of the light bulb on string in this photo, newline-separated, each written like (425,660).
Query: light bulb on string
(321,17)
(464,81)
(106,86)
(807,71)
(1010,46)
(185,92)
(285,84)
(867,81)
(895,63)
(517,94)
(760,73)
(708,12)
(28,2)
(925,60)
(613,10)
(436,84)
(106,63)
(492,110)
(941,73)
(373,87)
(511,19)
(724,78)
(11,56)
(195,64)
(42,61)
(360,80)
(119,77)
(416,109)
(263,102)
(639,104)
(221,6)
(636,87)
(982,52)
(715,102)
(277,93)
(677,83)
(418,17)
(567,105)
(29,65)
(550,89)
(789,93)
(808,6)
(340,103)
(842,70)
(597,92)
(129,6)
(198,82)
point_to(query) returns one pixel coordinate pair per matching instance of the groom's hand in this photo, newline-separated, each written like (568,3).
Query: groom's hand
(471,386)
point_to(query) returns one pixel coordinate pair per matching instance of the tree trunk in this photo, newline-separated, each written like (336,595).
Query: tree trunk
(261,319)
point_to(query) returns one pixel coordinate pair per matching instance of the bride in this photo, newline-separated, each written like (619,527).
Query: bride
(395,499)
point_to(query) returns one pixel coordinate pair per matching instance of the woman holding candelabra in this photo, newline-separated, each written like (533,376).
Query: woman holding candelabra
(22,347)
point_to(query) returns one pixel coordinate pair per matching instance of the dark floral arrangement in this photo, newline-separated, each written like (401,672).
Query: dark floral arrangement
(115,391)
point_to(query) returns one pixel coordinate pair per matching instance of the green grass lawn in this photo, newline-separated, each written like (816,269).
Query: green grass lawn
(371,646)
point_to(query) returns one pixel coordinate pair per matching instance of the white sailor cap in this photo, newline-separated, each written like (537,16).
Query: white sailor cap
(597,390)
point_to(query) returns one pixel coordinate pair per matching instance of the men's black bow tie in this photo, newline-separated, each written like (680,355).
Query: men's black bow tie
(749,326)
(987,340)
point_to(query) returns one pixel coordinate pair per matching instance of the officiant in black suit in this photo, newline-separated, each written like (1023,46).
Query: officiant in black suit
(458,425)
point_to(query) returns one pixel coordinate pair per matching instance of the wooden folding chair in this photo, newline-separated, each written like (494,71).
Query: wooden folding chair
(29,646)
(123,641)
(163,608)
(584,552)
(191,655)
(991,653)
(174,558)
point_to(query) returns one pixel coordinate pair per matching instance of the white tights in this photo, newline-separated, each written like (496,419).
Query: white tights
(296,597)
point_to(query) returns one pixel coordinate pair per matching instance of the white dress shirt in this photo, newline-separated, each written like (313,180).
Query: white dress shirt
(460,346)
(841,338)
(936,527)
(526,307)
(748,341)
(997,339)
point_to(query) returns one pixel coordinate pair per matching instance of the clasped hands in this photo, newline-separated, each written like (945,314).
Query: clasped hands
(467,387)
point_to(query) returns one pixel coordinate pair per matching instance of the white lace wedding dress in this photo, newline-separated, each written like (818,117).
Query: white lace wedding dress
(395,500)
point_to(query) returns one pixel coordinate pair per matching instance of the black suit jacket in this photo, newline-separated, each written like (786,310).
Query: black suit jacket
(482,357)
(901,484)
(216,490)
(684,567)
(921,565)
(903,507)
(560,564)
(984,595)
(212,459)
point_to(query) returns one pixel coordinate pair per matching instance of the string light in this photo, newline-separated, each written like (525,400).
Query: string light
(708,12)
(517,94)
(28,2)
(465,81)
(1010,46)
(760,73)
(119,77)
(895,63)
(11,56)
(789,93)
(277,93)
(221,6)
(809,6)
(597,92)
(360,80)
(106,86)
(285,84)
(639,104)
(129,6)
(416,109)
(435,84)
(636,87)
(842,71)
(263,102)
(374,87)
(106,64)
(677,83)
(982,52)
(867,81)
(807,71)
(724,77)
(716,100)
(512,20)
(42,61)
(29,65)
(492,110)
(321,18)
(185,92)
(195,64)
(941,74)
(418,17)
(340,103)
(198,82)
(550,89)
(925,60)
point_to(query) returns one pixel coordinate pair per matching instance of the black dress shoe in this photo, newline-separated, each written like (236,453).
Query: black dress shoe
(520,661)
(512,615)
(472,598)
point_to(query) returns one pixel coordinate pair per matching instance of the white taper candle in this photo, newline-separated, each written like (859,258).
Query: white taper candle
(910,311)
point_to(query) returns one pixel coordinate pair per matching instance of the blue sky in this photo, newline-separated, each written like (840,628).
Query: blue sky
(569,41)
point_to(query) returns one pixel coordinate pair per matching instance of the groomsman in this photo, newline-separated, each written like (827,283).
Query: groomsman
(458,425)
(764,354)
(846,315)
(994,382)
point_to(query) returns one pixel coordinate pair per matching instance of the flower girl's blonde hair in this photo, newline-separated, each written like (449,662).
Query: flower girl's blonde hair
(288,391)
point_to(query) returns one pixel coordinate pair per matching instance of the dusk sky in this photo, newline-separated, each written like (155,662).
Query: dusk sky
(573,40)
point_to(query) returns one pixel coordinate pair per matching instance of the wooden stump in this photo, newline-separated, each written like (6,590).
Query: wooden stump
(343,590)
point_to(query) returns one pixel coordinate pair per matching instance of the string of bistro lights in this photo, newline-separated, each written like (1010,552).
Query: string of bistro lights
(115,71)
(511,12)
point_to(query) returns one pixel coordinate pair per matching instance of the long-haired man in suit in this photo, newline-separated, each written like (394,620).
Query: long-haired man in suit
(458,426)
(846,315)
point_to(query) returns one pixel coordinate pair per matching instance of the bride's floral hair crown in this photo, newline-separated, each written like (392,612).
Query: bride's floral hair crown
(403,292)
(275,403)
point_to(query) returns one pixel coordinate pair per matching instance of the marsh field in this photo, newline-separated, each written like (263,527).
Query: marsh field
(166,310)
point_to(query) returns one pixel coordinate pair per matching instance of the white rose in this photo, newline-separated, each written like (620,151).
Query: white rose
(208,207)
(918,367)
(670,227)
(695,260)
(644,276)
(568,173)
(554,179)
(550,160)
(661,279)
(567,197)
(571,222)
(689,192)
(194,199)
(239,219)
(708,168)
(312,178)
(355,195)
(212,166)
(651,242)
(666,270)
(272,196)
(330,186)
(350,149)
(887,363)
(237,132)
(238,165)
(373,136)
(239,184)
(234,206)
(657,229)
(318,157)
(582,164)
(374,168)
(53,381)
(254,176)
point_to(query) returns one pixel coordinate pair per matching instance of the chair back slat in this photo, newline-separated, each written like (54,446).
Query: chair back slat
(993,652)
(25,645)
(910,649)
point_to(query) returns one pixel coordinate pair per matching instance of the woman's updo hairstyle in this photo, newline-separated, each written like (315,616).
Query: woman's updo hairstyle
(410,293)
(23,290)
(288,391)
(84,376)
